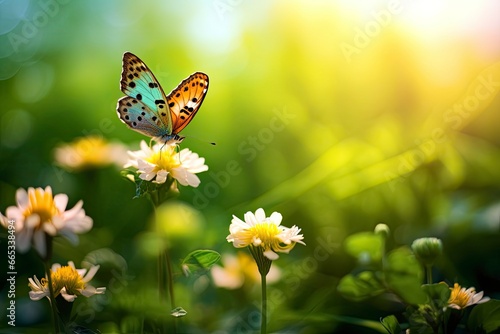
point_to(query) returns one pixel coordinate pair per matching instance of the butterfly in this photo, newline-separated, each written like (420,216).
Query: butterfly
(147,110)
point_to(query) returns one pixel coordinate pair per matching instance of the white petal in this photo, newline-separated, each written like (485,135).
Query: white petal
(13,212)
(484,300)
(147,176)
(68,297)
(198,167)
(55,267)
(39,243)
(77,225)
(61,201)
(237,226)
(271,255)
(49,228)
(476,297)
(22,198)
(90,291)
(32,221)
(100,291)
(250,218)
(227,279)
(70,236)
(238,221)
(145,147)
(37,295)
(260,215)
(161,176)
(91,273)
(145,166)
(74,211)
(23,240)
(256,241)
(4,221)
(48,189)
(181,175)
(276,218)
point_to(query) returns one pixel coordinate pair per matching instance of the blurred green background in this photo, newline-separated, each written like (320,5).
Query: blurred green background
(338,114)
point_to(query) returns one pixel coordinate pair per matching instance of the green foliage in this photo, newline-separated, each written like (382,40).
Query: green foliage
(485,318)
(398,271)
(199,260)
(403,275)
(404,130)
(365,246)
(157,192)
(131,324)
(437,295)
(428,317)
(391,324)
(360,286)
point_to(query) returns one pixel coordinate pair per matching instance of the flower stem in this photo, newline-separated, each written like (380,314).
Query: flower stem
(161,277)
(170,278)
(263,326)
(428,270)
(52,299)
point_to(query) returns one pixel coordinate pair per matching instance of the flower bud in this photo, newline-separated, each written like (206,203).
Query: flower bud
(383,230)
(427,250)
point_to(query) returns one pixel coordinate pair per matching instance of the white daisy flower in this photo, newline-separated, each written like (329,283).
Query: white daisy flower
(90,152)
(67,281)
(266,232)
(238,270)
(460,297)
(39,214)
(156,163)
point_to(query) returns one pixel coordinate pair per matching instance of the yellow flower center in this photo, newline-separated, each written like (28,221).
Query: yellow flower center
(459,296)
(68,277)
(92,151)
(41,203)
(266,232)
(164,159)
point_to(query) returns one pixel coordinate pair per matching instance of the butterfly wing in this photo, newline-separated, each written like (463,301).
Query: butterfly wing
(140,84)
(140,118)
(185,100)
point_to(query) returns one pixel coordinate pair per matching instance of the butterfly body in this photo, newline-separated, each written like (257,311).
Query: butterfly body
(147,110)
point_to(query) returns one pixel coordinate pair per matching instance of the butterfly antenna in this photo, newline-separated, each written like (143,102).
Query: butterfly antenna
(161,148)
(178,148)
(204,141)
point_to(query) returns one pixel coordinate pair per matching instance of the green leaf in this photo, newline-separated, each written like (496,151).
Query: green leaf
(422,319)
(485,317)
(362,286)
(201,259)
(365,246)
(438,295)
(391,324)
(403,274)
